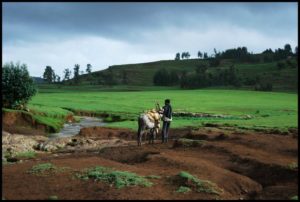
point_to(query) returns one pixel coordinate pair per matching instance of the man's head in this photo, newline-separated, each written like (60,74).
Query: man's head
(167,101)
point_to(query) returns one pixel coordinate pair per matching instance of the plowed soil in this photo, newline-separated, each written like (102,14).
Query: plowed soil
(244,164)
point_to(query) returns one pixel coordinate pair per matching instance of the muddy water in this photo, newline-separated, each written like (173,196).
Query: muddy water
(71,129)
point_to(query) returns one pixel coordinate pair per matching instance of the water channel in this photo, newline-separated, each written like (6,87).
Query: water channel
(71,129)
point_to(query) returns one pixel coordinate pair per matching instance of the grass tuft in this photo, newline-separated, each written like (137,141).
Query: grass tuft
(119,178)
(45,168)
(28,154)
(153,177)
(183,189)
(292,166)
(199,184)
(294,198)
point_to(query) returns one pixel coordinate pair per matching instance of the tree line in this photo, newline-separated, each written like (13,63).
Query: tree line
(50,76)
(241,54)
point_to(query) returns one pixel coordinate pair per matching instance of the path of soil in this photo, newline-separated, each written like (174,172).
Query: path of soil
(244,164)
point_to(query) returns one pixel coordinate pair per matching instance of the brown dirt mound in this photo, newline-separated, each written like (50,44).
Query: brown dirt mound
(17,122)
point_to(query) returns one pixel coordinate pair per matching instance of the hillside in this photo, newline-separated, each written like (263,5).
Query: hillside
(285,79)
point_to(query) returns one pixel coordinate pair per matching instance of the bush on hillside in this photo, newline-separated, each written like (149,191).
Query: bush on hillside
(264,87)
(281,65)
(17,86)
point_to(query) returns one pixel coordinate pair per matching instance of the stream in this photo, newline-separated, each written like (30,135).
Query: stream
(71,129)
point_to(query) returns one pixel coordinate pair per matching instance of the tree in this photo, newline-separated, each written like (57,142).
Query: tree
(187,55)
(49,74)
(161,77)
(183,55)
(67,75)
(57,78)
(17,86)
(288,49)
(124,77)
(177,57)
(173,78)
(199,54)
(76,73)
(88,68)
(205,55)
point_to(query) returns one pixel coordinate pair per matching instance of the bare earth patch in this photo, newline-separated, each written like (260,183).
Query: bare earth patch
(234,164)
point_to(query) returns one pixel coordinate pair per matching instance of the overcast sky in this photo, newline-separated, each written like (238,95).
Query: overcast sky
(104,34)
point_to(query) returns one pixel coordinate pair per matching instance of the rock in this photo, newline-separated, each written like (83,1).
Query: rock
(16,143)
(54,144)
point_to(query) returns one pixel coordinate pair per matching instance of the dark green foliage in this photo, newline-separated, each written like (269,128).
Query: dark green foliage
(76,73)
(165,78)
(124,77)
(177,57)
(214,62)
(49,74)
(185,55)
(67,73)
(17,86)
(88,68)
(263,86)
(281,65)
(202,78)
(200,54)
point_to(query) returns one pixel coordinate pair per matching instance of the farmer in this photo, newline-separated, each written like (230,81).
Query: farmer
(166,111)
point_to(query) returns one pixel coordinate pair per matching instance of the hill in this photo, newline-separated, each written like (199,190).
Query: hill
(282,78)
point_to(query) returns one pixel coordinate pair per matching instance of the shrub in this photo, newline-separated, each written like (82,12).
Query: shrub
(280,65)
(17,86)
(264,87)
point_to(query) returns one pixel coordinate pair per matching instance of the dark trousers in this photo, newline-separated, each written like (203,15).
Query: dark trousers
(165,130)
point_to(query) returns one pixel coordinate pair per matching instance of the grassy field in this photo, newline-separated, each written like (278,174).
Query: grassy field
(268,109)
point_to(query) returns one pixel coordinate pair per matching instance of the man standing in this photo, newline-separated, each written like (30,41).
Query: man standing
(167,118)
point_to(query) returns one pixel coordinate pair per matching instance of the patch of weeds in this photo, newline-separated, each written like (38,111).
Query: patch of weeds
(292,166)
(153,177)
(53,197)
(198,184)
(294,198)
(28,154)
(183,189)
(188,142)
(44,168)
(119,178)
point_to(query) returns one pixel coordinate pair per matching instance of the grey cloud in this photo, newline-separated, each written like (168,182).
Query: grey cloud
(103,34)
(128,20)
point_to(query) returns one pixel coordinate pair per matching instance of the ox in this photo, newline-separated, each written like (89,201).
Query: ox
(148,121)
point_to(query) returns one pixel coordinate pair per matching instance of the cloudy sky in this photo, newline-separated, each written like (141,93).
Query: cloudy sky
(104,34)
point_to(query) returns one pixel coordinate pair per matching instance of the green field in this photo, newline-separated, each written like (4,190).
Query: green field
(268,109)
